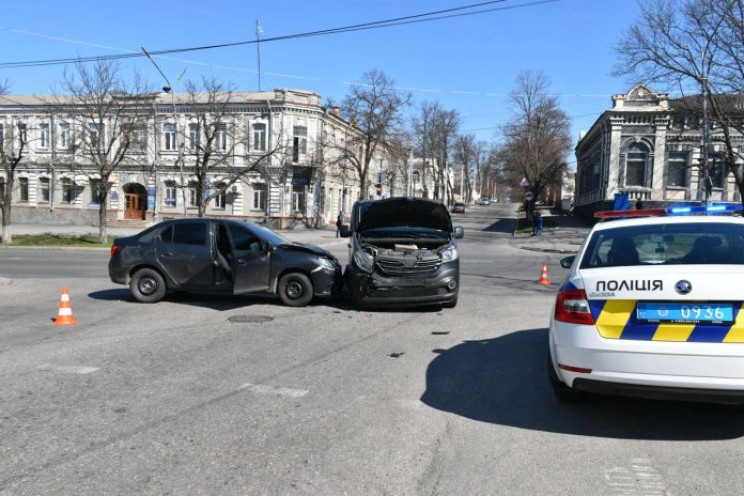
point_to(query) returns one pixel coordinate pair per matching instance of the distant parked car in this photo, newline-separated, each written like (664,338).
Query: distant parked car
(485,200)
(458,208)
(221,255)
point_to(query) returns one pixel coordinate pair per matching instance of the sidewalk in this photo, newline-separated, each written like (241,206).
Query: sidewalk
(566,237)
(320,237)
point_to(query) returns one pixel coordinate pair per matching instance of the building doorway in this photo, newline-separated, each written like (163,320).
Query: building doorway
(136,201)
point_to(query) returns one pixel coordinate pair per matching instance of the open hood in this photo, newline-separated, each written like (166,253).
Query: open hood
(406,212)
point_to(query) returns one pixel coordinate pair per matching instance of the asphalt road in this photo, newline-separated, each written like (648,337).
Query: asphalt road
(206,395)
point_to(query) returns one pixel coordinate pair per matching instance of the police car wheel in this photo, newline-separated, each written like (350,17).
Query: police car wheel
(562,392)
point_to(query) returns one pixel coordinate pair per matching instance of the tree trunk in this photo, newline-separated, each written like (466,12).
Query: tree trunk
(6,209)
(103,216)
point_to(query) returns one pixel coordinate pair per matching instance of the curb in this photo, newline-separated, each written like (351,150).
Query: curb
(52,248)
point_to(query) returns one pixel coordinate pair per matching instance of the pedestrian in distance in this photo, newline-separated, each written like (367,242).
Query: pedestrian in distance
(539,224)
(339,223)
(535,217)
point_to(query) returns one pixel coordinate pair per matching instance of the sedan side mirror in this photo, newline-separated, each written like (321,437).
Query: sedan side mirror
(567,262)
(344,231)
(459,232)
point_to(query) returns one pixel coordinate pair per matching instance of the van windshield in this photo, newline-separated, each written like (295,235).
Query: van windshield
(688,244)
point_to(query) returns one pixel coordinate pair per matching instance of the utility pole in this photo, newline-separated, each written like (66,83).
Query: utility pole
(259,31)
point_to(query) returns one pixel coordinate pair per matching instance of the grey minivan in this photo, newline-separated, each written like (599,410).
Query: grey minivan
(403,252)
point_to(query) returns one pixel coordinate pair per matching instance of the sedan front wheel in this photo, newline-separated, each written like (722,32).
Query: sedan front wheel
(295,289)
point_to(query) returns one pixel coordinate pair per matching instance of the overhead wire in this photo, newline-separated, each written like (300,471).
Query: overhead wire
(385,23)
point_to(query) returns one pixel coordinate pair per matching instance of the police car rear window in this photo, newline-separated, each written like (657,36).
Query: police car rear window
(687,244)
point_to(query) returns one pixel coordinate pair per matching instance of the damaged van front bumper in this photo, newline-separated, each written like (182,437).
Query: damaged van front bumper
(438,287)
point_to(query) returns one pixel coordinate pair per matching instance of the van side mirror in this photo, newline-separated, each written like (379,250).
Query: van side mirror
(344,231)
(567,262)
(459,232)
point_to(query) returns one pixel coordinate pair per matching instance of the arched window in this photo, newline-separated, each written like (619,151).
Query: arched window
(636,162)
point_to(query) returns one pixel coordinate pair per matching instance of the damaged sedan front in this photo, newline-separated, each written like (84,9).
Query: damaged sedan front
(403,251)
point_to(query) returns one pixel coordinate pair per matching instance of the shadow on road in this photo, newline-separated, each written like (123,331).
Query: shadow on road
(505,226)
(504,381)
(219,302)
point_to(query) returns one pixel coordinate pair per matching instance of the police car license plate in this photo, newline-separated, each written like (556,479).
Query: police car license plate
(685,313)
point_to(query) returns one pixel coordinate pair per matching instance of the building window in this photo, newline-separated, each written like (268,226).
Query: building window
(137,137)
(170,137)
(22,134)
(2,136)
(635,165)
(193,136)
(259,197)
(259,137)
(192,195)
(717,168)
(44,189)
(299,143)
(23,189)
(96,191)
(677,170)
(96,132)
(298,199)
(64,136)
(68,191)
(44,136)
(2,189)
(219,200)
(221,137)
(170,193)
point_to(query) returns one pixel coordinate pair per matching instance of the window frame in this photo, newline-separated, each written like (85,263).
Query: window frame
(170,142)
(258,129)
(44,185)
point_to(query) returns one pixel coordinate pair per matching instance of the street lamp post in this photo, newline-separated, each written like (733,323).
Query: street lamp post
(169,89)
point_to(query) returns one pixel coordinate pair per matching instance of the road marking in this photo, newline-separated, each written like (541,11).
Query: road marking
(642,479)
(68,369)
(276,391)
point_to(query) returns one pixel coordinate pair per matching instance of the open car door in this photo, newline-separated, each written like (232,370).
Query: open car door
(250,261)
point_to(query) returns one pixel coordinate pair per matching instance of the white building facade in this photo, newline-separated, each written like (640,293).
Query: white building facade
(301,182)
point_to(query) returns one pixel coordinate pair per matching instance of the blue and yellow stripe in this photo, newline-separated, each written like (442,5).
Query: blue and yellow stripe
(616,319)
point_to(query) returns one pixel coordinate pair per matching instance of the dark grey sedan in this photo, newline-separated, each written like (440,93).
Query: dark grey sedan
(224,256)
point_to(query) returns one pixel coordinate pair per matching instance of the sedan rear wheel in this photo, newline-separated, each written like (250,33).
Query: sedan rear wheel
(147,286)
(295,289)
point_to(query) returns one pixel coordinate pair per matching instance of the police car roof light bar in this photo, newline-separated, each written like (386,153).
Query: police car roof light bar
(680,210)
(615,214)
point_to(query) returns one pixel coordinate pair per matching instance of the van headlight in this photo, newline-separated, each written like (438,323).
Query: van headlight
(362,259)
(449,254)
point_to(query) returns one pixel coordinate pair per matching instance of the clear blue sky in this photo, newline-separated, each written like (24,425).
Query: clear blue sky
(467,63)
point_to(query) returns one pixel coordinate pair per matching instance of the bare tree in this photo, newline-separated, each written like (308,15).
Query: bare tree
(537,138)
(435,130)
(696,44)
(215,141)
(467,153)
(109,116)
(373,107)
(13,149)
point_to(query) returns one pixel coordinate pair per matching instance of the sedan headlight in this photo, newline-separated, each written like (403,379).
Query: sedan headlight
(362,259)
(326,263)
(449,254)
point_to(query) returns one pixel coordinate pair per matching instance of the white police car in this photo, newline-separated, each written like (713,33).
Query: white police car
(652,308)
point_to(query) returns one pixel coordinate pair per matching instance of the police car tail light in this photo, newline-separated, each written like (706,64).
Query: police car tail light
(572,307)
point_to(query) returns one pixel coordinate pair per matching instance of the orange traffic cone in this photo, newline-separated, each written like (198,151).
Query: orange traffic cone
(544,276)
(64,317)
